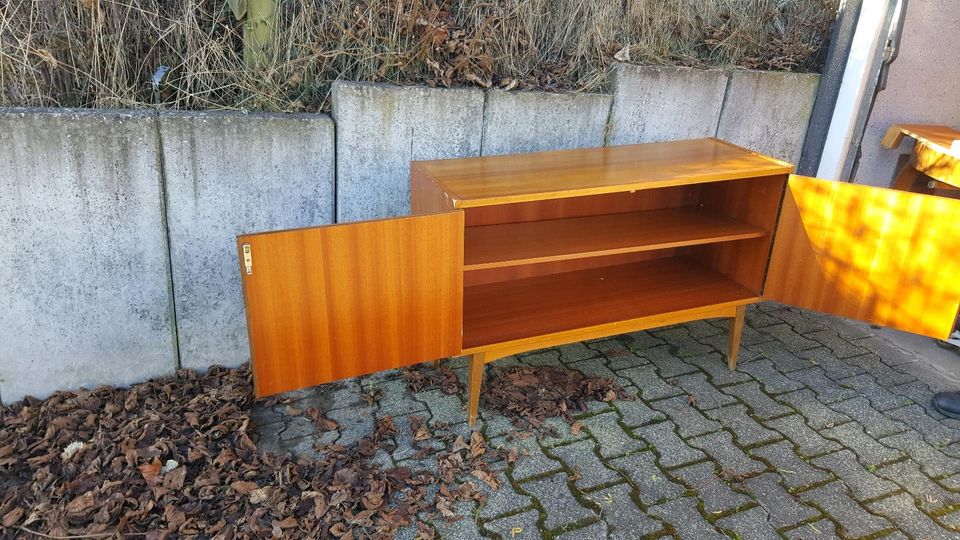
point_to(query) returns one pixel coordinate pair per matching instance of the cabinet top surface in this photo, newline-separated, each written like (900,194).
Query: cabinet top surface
(488,180)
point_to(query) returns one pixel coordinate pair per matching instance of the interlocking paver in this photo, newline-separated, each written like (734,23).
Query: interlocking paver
(651,483)
(461,528)
(918,393)
(667,364)
(826,389)
(862,483)
(443,407)
(705,395)
(933,430)
(818,415)
(746,430)
(854,521)
(590,532)
(531,461)
(809,442)
(881,398)
(396,400)
(635,412)
(932,461)
(502,500)
(547,357)
(704,481)
(626,520)
(614,441)
(672,450)
(522,526)
(818,530)
(784,508)
(884,374)
(595,367)
(867,449)
(579,456)
(561,507)
(641,340)
(682,342)
(682,514)
(650,384)
(715,365)
(758,318)
(355,423)
(690,422)
(798,320)
(576,351)
(834,367)
(750,523)
(874,422)
(784,360)
(791,340)
(930,495)
(730,457)
(794,471)
(773,381)
(839,347)
(760,404)
(901,510)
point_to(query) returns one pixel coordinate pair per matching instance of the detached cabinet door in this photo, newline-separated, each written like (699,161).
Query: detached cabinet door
(882,256)
(326,303)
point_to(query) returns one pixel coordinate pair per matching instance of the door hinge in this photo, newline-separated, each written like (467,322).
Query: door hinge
(247,259)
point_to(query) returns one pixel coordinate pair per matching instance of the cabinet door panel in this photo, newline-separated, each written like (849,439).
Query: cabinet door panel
(327,303)
(882,256)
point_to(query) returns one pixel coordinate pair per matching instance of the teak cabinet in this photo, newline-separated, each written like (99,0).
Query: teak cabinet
(507,254)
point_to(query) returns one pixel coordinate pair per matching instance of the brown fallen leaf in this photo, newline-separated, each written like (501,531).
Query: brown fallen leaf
(150,471)
(243,487)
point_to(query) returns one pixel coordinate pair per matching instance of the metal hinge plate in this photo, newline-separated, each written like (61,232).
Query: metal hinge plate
(247,259)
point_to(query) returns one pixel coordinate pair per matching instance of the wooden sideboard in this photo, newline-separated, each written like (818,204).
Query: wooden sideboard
(507,254)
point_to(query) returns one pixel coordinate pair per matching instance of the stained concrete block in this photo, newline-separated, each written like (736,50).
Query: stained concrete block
(517,122)
(768,111)
(84,280)
(382,127)
(654,103)
(228,174)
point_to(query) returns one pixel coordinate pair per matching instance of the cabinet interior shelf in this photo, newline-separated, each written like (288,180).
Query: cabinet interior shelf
(513,244)
(517,309)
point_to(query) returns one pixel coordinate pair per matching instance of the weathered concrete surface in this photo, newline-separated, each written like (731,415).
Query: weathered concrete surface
(768,111)
(517,122)
(653,103)
(84,282)
(922,87)
(381,128)
(228,174)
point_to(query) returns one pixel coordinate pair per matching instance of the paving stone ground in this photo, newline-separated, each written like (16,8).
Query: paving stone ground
(824,431)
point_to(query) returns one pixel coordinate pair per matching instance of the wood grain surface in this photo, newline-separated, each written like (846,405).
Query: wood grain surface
(326,303)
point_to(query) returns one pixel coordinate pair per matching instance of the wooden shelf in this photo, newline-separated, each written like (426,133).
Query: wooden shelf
(512,244)
(511,310)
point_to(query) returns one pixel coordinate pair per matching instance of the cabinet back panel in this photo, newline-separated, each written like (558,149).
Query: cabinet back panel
(610,203)
(494,275)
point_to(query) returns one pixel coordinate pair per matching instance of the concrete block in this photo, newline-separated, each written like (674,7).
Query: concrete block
(516,122)
(227,174)
(653,103)
(84,280)
(768,111)
(382,127)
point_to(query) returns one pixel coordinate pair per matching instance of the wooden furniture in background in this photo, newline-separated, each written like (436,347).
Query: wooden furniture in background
(508,254)
(934,165)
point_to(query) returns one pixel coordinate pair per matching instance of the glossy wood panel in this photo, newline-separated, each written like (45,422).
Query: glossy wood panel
(878,255)
(517,178)
(933,152)
(513,244)
(511,310)
(608,203)
(507,273)
(755,202)
(426,197)
(326,303)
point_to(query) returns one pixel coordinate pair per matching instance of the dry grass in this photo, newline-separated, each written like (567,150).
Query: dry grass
(104,53)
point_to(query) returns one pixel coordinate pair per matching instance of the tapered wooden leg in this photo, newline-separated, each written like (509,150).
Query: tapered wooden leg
(476,381)
(736,330)
(906,178)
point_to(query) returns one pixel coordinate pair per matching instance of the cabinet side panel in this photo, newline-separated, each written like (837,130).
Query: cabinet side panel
(327,303)
(426,197)
(755,201)
(878,255)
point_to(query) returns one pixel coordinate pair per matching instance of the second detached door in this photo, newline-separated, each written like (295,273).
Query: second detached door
(878,255)
(327,303)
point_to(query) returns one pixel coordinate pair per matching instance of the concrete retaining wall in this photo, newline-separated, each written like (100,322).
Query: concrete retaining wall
(89,201)
(84,279)
(228,174)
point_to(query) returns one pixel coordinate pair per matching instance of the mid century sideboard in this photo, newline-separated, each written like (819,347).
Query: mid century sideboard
(507,254)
